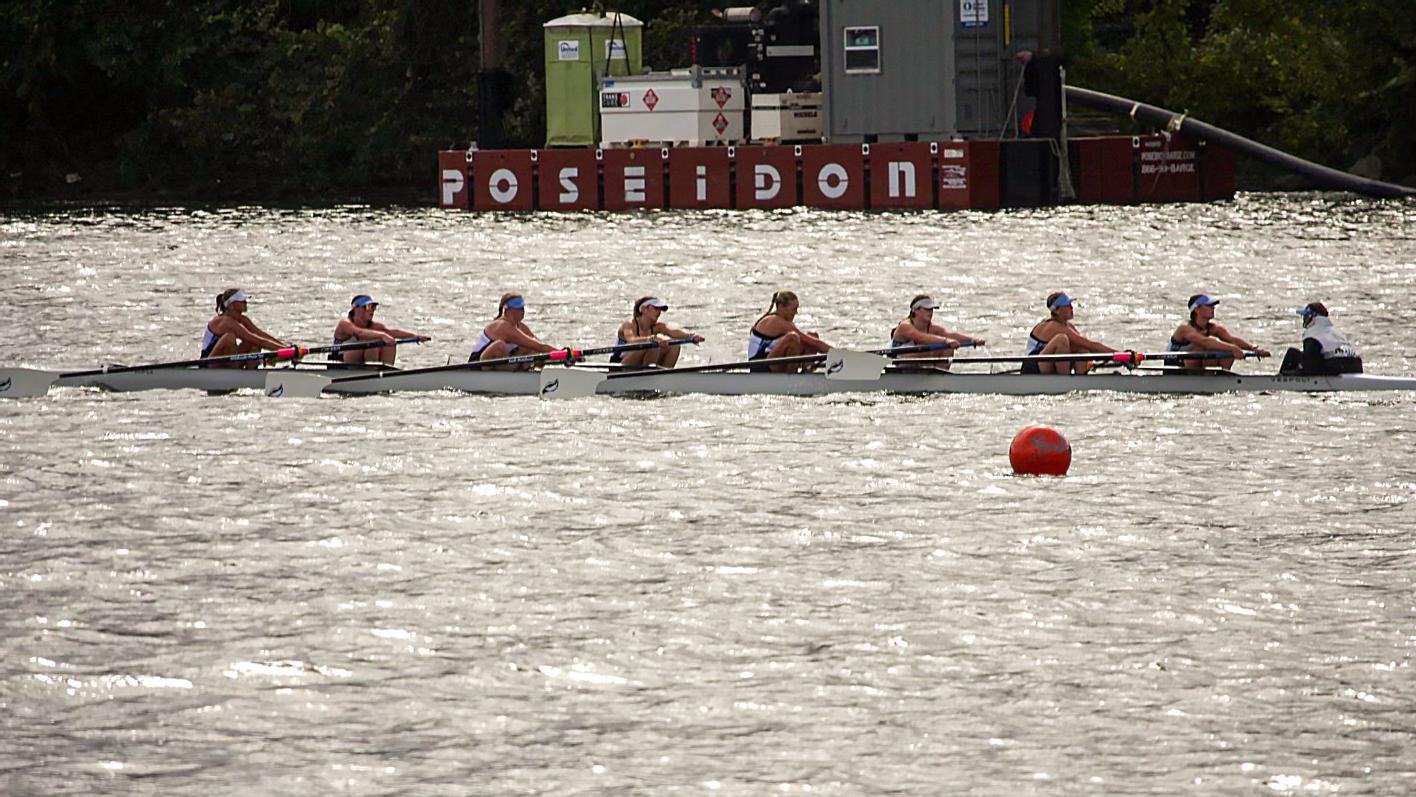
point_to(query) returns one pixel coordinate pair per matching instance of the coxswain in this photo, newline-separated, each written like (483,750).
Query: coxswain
(359,325)
(507,335)
(644,326)
(919,329)
(1201,333)
(1325,351)
(231,332)
(1056,334)
(774,335)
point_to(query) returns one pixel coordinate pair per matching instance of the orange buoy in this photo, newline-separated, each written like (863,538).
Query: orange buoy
(1040,451)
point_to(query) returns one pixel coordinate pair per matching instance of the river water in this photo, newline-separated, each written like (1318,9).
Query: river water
(446,594)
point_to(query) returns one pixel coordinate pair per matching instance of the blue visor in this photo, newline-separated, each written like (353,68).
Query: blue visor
(1062,300)
(1203,300)
(364,300)
(1306,312)
(515,303)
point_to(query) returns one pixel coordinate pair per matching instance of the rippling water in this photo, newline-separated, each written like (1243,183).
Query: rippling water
(445,594)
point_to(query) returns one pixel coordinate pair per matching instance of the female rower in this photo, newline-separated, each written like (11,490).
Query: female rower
(919,329)
(231,332)
(774,335)
(644,326)
(1201,333)
(1056,334)
(508,335)
(360,325)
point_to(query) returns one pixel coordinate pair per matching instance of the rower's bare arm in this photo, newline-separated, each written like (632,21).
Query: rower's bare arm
(249,332)
(524,339)
(674,333)
(1237,342)
(400,333)
(1084,343)
(627,334)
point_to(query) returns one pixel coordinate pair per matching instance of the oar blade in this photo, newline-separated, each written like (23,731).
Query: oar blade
(853,366)
(568,383)
(25,382)
(287,383)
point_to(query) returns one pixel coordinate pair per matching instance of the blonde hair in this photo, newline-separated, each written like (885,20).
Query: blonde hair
(780,298)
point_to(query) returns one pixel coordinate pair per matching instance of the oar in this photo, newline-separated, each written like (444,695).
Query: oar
(844,364)
(306,385)
(568,383)
(1119,357)
(28,383)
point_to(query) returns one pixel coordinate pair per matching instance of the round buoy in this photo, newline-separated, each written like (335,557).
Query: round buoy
(1040,451)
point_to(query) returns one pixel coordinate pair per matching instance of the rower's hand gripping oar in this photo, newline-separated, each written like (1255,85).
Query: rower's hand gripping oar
(568,382)
(286,383)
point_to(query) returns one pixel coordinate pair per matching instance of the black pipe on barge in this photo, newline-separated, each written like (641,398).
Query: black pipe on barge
(1323,176)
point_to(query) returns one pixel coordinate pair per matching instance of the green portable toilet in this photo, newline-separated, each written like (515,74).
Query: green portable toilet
(578,53)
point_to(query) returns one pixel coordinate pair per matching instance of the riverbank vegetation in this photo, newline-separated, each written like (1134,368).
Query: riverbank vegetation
(349,99)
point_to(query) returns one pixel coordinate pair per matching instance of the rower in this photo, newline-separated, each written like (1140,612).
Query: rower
(1056,334)
(774,335)
(644,326)
(507,335)
(1325,351)
(360,325)
(1201,333)
(232,332)
(919,329)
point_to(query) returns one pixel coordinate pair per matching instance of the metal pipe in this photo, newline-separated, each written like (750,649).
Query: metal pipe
(1323,176)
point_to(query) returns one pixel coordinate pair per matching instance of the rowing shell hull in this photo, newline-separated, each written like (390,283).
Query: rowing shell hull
(737,384)
(526,383)
(215,379)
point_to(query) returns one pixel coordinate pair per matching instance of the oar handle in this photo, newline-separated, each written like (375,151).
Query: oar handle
(296,352)
(580,354)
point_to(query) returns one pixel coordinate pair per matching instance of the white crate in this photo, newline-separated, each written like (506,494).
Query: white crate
(672,109)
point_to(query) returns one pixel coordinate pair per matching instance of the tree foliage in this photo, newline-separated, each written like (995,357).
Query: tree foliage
(342,98)
(1328,81)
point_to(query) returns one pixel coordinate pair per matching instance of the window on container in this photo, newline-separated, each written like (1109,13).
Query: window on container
(863,49)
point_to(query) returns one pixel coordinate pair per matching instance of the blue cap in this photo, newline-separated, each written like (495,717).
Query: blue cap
(1062,300)
(1202,300)
(515,303)
(363,300)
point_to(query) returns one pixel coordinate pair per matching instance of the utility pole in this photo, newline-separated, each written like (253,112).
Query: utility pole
(493,81)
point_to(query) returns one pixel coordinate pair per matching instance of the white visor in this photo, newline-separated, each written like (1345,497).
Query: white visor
(238,296)
(659,303)
(924,304)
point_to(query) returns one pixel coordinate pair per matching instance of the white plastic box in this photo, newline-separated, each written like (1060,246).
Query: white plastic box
(691,107)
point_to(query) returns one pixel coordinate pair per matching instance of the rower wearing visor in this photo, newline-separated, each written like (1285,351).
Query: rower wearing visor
(775,335)
(359,325)
(1056,334)
(1325,351)
(1201,333)
(919,329)
(232,332)
(644,326)
(507,335)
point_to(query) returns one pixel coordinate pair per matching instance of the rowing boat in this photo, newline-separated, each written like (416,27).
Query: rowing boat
(737,383)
